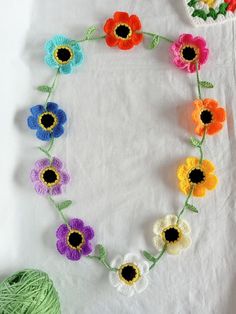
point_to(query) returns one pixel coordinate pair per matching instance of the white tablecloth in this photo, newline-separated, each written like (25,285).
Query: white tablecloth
(129,124)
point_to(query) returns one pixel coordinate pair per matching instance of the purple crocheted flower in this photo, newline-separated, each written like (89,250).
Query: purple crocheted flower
(73,239)
(48,177)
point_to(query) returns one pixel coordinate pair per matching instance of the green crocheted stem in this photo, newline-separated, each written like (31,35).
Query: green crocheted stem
(57,206)
(198,81)
(157,35)
(102,257)
(154,259)
(92,38)
(46,151)
(186,203)
(52,88)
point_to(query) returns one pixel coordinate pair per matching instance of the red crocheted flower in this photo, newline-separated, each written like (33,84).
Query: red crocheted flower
(122,30)
(231,6)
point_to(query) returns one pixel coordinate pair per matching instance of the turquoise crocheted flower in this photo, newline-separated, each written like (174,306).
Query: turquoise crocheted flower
(63,54)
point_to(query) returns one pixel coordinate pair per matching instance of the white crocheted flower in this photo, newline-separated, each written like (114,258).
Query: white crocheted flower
(130,277)
(207,4)
(172,233)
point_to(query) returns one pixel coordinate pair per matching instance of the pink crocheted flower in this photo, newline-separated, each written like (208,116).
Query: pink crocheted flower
(187,51)
(48,177)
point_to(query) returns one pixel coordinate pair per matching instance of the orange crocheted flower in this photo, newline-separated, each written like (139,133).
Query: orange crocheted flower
(208,115)
(197,176)
(122,30)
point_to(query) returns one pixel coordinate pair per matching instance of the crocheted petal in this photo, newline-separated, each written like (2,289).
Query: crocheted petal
(158,226)
(126,290)
(170,220)
(88,232)
(121,17)
(49,46)
(211,182)
(42,163)
(61,247)
(52,106)
(78,58)
(198,103)
(40,188)
(141,284)
(57,163)
(199,130)
(87,249)
(62,231)
(135,23)
(186,38)
(125,44)
(43,135)
(61,116)
(179,63)
(192,67)
(32,123)
(73,255)
(173,249)
(37,110)
(34,175)
(111,41)
(50,61)
(199,191)
(65,178)
(144,268)
(137,38)
(117,261)
(207,166)
(56,190)
(184,186)
(182,172)
(192,161)
(199,42)
(114,279)
(58,131)
(66,69)
(109,26)
(185,242)
(203,56)
(131,258)
(158,242)
(214,128)
(220,114)
(76,223)
(184,226)
(61,40)
(210,103)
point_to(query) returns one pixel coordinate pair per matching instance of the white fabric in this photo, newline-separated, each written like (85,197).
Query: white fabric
(129,124)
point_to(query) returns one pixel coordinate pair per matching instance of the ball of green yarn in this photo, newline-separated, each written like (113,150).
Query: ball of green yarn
(29,292)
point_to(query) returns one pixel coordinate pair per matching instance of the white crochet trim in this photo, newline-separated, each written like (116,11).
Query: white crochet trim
(197,21)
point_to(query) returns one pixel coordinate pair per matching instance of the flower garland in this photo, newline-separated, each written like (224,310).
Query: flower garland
(196,175)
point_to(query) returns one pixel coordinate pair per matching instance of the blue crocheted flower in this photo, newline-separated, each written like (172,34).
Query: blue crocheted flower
(63,54)
(47,121)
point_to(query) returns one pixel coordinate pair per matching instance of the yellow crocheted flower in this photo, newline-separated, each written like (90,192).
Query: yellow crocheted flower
(197,176)
(210,3)
(173,234)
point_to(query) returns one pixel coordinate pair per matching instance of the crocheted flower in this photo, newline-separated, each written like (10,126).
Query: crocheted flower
(73,239)
(122,30)
(187,50)
(173,234)
(231,6)
(130,277)
(48,177)
(208,115)
(198,176)
(63,54)
(47,122)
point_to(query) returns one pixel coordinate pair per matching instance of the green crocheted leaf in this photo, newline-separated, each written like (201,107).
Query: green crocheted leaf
(212,13)
(195,142)
(90,31)
(44,88)
(192,208)
(64,204)
(149,256)
(155,41)
(192,3)
(206,84)
(200,13)
(223,8)
(101,251)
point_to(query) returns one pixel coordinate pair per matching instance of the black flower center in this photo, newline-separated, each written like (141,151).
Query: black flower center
(64,54)
(171,234)
(189,53)
(50,176)
(123,31)
(47,120)
(75,239)
(196,176)
(206,116)
(128,273)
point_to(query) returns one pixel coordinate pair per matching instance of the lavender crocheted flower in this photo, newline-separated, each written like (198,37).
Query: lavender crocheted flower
(48,177)
(73,239)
